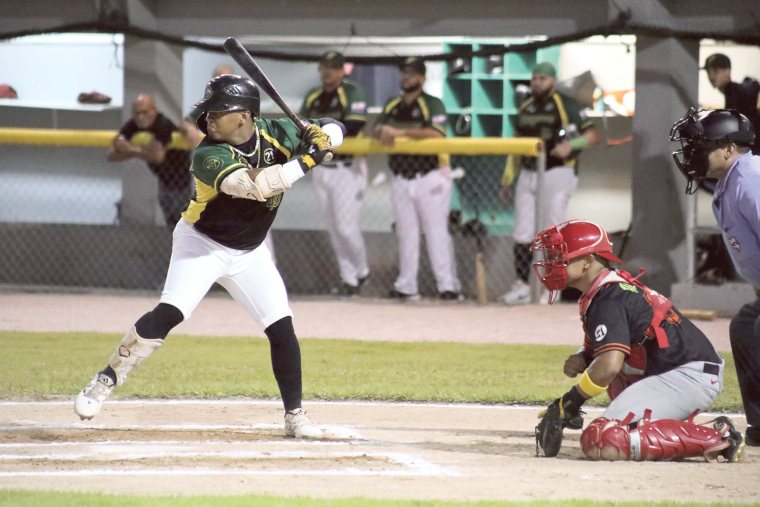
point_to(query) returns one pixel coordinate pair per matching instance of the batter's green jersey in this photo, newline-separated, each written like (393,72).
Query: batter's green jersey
(236,222)
(426,111)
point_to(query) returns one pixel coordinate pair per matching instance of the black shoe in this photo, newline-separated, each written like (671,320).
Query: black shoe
(345,290)
(362,280)
(734,451)
(449,295)
(752,436)
(394,294)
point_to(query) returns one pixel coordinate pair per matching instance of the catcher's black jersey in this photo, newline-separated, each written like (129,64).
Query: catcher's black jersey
(618,317)
(236,222)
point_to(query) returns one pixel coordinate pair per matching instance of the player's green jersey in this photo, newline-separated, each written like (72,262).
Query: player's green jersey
(346,103)
(236,222)
(555,119)
(426,111)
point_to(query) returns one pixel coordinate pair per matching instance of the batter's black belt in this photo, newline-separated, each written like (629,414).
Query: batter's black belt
(711,369)
(412,174)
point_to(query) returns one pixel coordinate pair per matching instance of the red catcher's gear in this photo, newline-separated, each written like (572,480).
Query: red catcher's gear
(665,439)
(564,242)
(663,308)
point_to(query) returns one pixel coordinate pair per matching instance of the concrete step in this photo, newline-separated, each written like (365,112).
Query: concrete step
(724,299)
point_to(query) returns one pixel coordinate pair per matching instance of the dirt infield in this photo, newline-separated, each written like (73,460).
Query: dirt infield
(378,450)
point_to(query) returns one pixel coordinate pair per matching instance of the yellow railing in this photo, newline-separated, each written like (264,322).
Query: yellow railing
(458,145)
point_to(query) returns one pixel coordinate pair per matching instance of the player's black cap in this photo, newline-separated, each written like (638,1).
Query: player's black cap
(333,59)
(415,63)
(717,61)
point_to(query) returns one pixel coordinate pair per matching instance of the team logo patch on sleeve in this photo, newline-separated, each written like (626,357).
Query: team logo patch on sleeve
(439,119)
(212,163)
(600,332)
(359,107)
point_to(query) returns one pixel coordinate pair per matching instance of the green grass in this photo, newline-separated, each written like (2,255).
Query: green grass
(44,365)
(30,499)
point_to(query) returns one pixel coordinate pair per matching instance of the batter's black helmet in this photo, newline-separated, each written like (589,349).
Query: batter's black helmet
(228,93)
(702,132)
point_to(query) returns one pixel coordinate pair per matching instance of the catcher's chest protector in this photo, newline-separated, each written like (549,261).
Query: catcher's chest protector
(665,439)
(661,305)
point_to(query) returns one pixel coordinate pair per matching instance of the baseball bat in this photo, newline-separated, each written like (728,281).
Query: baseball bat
(480,278)
(249,65)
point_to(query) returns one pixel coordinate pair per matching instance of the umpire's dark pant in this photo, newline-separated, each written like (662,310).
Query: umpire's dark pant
(745,345)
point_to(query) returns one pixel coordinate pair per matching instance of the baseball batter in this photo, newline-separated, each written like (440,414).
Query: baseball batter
(341,183)
(658,368)
(560,121)
(420,190)
(241,170)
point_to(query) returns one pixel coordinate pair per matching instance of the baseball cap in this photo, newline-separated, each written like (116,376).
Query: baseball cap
(545,68)
(717,61)
(333,59)
(415,63)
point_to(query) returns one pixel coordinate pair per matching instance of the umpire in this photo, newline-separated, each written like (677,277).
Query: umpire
(717,145)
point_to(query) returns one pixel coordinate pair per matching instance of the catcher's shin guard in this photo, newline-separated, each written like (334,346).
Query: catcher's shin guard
(132,350)
(662,440)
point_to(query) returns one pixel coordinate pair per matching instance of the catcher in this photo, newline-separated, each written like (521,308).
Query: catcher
(657,367)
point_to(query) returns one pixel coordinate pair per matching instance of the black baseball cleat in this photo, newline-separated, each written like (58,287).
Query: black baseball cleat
(734,451)
(362,280)
(395,294)
(449,295)
(345,290)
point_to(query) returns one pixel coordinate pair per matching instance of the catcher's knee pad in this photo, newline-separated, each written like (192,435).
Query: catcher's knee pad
(159,321)
(606,439)
(132,350)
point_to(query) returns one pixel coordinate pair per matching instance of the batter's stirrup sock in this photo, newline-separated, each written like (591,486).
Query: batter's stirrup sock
(286,361)
(523,258)
(108,372)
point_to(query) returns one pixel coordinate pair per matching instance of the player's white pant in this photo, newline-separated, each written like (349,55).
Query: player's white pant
(340,188)
(270,245)
(559,185)
(424,201)
(250,277)
(675,394)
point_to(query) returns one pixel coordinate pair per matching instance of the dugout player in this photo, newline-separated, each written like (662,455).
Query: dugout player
(420,190)
(241,170)
(170,165)
(341,183)
(717,145)
(566,131)
(658,368)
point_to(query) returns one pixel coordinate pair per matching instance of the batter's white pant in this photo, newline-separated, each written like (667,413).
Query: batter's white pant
(675,394)
(270,245)
(340,189)
(559,185)
(424,201)
(249,276)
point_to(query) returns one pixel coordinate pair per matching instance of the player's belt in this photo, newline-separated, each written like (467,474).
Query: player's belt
(711,369)
(410,175)
(337,163)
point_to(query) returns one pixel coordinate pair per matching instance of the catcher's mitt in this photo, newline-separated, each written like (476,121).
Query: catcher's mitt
(549,431)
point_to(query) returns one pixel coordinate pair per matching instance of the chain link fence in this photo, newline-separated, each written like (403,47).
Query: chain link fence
(71,219)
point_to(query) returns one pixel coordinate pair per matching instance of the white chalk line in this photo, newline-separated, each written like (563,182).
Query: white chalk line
(478,406)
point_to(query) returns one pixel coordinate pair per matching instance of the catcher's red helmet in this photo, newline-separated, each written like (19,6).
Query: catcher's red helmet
(564,242)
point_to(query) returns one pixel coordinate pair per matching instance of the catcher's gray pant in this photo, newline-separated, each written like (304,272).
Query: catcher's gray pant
(424,201)
(249,276)
(559,185)
(340,188)
(675,394)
